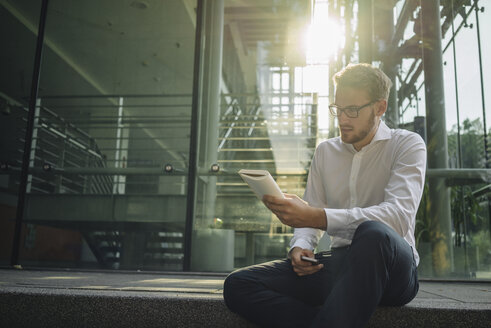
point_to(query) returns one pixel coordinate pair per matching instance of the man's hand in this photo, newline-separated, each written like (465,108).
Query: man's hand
(303,268)
(295,212)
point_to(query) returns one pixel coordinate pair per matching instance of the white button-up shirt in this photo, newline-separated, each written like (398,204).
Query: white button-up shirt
(382,182)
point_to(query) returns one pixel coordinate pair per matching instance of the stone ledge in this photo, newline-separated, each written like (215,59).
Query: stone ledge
(51,307)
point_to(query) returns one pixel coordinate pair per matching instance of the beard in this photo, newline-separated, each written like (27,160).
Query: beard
(357,136)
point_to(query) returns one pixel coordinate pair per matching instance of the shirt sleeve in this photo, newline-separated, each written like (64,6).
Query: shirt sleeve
(402,195)
(307,238)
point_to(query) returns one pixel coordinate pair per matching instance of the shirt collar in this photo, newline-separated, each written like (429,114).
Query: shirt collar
(383,133)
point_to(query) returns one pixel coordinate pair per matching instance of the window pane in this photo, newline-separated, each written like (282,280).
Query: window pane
(285,78)
(114,111)
(276,82)
(262,136)
(18,21)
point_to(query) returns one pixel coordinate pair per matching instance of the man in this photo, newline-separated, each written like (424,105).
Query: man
(363,189)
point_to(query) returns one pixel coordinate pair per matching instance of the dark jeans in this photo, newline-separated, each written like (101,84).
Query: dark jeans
(377,269)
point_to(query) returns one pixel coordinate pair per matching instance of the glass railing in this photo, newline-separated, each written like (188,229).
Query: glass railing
(109,174)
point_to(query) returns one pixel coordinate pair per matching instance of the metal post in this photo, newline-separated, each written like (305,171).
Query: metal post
(209,110)
(436,138)
(478,32)
(365,30)
(332,131)
(119,181)
(211,78)
(485,132)
(390,65)
(459,144)
(348,15)
(210,105)
(193,140)
(332,70)
(61,159)
(14,260)
(34,138)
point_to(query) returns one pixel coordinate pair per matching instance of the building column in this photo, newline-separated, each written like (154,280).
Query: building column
(439,193)
(365,30)
(386,17)
(210,106)
(332,70)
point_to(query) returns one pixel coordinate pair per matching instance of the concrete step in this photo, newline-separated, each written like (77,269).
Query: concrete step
(95,299)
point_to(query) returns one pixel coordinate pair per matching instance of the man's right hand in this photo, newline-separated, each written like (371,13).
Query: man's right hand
(303,268)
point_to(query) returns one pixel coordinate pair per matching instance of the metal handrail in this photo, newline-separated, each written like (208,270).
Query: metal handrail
(483,175)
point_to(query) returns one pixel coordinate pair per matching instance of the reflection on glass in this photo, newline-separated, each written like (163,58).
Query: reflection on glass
(108,180)
(18,36)
(114,109)
(273,104)
(264,123)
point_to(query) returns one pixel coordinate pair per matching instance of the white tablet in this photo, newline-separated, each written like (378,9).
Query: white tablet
(261,182)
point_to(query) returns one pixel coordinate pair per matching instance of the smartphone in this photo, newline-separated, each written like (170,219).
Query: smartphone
(310,259)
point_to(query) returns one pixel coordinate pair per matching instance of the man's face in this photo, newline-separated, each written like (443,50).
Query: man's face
(358,131)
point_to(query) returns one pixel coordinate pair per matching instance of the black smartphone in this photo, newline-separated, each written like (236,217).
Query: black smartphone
(309,259)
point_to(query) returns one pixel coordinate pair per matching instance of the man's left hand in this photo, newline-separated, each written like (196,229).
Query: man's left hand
(295,212)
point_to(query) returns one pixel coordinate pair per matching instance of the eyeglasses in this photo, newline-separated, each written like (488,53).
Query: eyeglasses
(351,112)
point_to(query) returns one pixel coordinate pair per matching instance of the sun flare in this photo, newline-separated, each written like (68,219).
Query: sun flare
(325,36)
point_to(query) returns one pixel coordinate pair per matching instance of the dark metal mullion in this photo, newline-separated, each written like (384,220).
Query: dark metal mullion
(193,142)
(482,85)
(482,95)
(14,260)
(459,144)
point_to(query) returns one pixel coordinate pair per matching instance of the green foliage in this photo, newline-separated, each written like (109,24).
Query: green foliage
(465,207)
(482,241)
(465,210)
(423,224)
(471,144)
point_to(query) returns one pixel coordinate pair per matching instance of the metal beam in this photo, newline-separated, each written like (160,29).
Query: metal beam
(403,19)
(439,207)
(193,142)
(365,30)
(14,260)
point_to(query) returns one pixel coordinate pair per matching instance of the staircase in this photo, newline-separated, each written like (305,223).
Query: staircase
(89,203)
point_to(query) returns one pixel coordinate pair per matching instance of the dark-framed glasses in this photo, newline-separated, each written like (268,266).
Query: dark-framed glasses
(350,111)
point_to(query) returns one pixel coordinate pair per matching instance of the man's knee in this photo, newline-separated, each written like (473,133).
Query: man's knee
(233,286)
(373,233)
(229,287)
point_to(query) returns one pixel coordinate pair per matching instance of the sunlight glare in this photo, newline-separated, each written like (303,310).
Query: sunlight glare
(324,37)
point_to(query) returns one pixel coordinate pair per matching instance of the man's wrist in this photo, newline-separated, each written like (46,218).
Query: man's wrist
(320,219)
(291,251)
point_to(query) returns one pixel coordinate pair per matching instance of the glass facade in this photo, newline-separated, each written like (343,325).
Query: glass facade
(146,110)
(16,68)
(262,123)
(113,110)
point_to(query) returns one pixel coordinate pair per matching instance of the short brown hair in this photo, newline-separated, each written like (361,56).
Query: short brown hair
(366,77)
